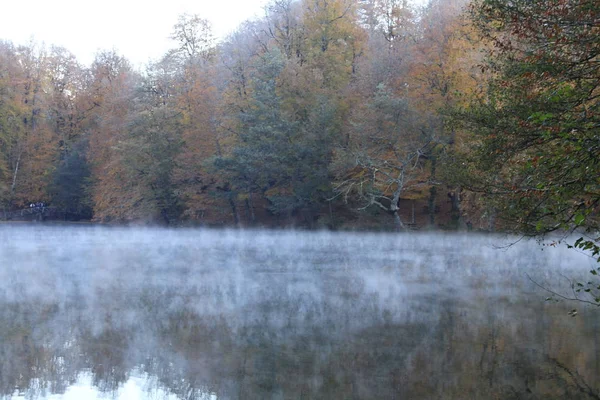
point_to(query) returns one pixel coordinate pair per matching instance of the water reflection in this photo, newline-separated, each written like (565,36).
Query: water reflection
(286,315)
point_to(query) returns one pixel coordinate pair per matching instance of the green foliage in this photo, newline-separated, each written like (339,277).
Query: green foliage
(537,132)
(150,154)
(538,129)
(69,189)
(277,156)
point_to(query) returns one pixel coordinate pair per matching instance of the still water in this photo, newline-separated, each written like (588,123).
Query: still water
(95,313)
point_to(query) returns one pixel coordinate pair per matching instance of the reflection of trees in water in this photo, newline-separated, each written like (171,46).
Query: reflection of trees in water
(282,349)
(31,356)
(242,320)
(105,356)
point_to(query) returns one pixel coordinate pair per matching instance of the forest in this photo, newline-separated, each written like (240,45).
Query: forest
(340,114)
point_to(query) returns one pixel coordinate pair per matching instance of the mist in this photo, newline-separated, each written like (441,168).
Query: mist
(227,314)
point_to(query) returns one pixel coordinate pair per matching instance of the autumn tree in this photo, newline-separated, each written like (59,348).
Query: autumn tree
(397,131)
(114,187)
(41,121)
(305,103)
(390,25)
(12,129)
(317,91)
(328,42)
(386,160)
(195,97)
(29,145)
(194,38)
(333,39)
(285,27)
(69,109)
(443,71)
(135,141)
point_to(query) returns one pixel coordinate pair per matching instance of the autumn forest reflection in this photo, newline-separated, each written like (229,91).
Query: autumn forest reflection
(207,314)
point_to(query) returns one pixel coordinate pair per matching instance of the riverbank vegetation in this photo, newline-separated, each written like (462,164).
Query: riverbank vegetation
(340,113)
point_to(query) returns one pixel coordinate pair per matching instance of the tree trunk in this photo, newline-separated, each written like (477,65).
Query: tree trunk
(14,180)
(492,220)
(165,215)
(251,205)
(455,197)
(432,193)
(236,217)
(455,207)
(398,221)
(431,209)
(394,208)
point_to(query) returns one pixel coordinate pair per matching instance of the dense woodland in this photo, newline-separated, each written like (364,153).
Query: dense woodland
(323,113)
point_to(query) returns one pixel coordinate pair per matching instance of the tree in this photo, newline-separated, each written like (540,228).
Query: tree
(12,131)
(277,156)
(135,142)
(65,84)
(420,57)
(113,90)
(333,40)
(192,77)
(149,160)
(442,72)
(30,150)
(537,130)
(288,93)
(68,108)
(194,38)
(285,27)
(386,156)
(42,113)
(69,188)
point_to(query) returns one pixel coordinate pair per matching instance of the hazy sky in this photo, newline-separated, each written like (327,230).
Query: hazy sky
(137,29)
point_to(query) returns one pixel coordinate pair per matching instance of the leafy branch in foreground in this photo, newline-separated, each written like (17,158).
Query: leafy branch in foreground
(578,289)
(536,131)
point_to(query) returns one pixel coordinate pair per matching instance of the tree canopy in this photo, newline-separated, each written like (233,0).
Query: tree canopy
(537,128)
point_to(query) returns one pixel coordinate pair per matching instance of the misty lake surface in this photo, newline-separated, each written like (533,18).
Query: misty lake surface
(124,313)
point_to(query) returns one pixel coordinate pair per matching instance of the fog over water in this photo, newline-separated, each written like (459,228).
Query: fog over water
(92,312)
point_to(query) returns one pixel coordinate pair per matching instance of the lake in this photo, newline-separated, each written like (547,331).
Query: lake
(92,312)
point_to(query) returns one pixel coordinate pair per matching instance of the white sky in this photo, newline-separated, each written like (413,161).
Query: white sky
(137,29)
